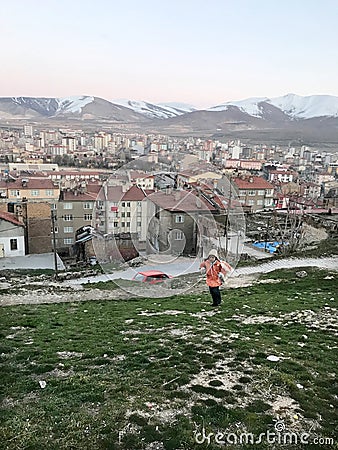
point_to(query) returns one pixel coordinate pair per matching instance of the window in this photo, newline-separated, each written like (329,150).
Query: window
(56,229)
(68,217)
(261,192)
(128,214)
(68,206)
(35,193)
(116,224)
(139,203)
(128,204)
(123,204)
(123,224)
(139,224)
(15,193)
(259,202)
(68,241)
(68,229)
(49,192)
(88,205)
(128,224)
(179,219)
(251,193)
(123,214)
(13,244)
(251,202)
(178,235)
(88,217)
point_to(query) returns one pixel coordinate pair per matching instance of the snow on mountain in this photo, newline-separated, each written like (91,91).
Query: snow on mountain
(293,105)
(307,107)
(180,107)
(73,104)
(154,111)
(250,106)
(54,106)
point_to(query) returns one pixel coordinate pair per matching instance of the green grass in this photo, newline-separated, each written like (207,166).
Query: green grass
(117,378)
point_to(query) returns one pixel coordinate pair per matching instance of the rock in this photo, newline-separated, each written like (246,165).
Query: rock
(273,358)
(301,274)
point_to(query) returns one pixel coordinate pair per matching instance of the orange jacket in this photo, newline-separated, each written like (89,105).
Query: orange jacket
(213,270)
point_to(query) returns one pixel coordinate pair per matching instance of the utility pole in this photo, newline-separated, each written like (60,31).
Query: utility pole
(227,222)
(266,233)
(54,218)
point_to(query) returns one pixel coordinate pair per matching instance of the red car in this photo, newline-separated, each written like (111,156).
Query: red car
(151,276)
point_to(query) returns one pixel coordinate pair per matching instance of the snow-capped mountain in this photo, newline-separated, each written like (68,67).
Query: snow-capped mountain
(76,107)
(313,118)
(292,105)
(52,106)
(156,111)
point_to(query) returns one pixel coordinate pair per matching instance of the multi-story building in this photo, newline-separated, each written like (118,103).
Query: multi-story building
(255,193)
(282,176)
(73,211)
(29,188)
(174,228)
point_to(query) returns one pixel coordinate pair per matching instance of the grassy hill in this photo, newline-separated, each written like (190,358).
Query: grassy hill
(165,374)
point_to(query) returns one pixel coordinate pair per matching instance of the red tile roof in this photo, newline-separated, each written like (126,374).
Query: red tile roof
(180,201)
(252,182)
(134,194)
(9,217)
(114,193)
(33,183)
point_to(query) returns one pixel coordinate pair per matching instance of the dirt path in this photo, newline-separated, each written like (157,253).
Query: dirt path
(39,292)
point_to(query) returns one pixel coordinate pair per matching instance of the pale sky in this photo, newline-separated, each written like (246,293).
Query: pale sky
(201,52)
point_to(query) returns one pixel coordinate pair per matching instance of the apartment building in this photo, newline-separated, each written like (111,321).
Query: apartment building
(73,211)
(29,188)
(254,193)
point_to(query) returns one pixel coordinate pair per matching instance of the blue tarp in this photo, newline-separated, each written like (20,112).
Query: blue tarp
(270,247)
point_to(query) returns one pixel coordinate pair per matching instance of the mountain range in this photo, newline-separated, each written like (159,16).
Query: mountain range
(310,118)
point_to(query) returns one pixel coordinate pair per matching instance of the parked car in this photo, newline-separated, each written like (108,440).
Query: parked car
(151,276)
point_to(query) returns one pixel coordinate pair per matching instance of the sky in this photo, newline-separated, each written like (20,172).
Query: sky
(200,52)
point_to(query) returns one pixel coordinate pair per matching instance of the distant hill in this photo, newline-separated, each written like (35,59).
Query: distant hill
(309,119)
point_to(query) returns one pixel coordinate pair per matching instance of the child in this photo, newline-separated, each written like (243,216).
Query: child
(215,270)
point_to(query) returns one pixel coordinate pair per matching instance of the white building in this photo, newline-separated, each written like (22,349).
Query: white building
(12,236)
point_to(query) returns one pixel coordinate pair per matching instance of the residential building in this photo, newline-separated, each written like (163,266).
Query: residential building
(255,193)
(73,211)
(174,228)
(12,236)
(29,188)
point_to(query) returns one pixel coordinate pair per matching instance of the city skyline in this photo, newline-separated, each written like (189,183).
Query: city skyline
(191,51)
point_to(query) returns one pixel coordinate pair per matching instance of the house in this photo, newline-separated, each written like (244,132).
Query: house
(142,179)
(175,226)
(32,189)
(282,176)
(12,236)
(255,193)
